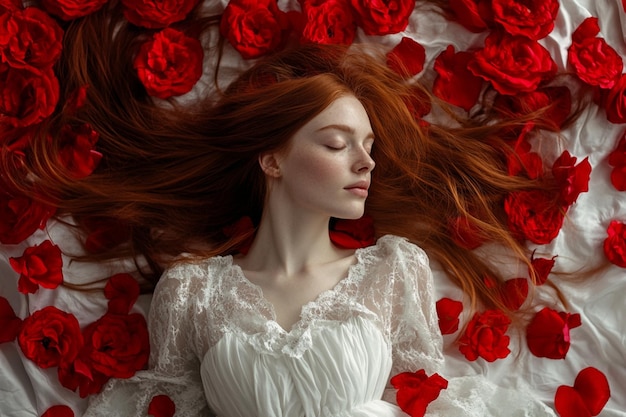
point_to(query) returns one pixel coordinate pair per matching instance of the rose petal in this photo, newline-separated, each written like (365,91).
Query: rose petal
(161,406)
(593,388)
(448,311)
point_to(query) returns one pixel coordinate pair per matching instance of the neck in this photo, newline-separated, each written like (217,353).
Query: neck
(290,241)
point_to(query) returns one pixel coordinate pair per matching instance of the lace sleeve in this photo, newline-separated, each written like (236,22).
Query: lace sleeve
(174,365)
(412,323)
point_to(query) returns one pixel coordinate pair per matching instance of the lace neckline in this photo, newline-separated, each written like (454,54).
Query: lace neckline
(309,311)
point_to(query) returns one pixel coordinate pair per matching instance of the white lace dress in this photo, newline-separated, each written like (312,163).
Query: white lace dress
(217,349)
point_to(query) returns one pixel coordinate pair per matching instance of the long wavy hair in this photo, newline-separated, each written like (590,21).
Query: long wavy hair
(176,176)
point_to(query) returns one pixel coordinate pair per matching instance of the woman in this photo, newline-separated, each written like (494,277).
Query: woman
(293,325)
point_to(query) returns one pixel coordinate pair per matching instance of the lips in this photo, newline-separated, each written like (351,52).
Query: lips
(359,189)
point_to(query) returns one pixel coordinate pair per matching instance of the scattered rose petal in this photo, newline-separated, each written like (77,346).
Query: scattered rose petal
(161,406)
(122,290)
(548,333)
(10,324)
(39,265)
(407,58)
(587,397)
(542,268)
(58,411)
(615,244)
(416,391)
(448,311)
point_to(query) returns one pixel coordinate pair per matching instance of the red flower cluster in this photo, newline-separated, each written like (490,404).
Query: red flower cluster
(416,390)
(30,44)
(255,28)
(586,398)
(537,215)
(533,19)
(156,14)
(485,336)
(39,265)
(72,9)
(547,335)
(116,345)
(169,64)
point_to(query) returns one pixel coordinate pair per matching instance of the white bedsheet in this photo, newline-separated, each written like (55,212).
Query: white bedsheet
(600,342)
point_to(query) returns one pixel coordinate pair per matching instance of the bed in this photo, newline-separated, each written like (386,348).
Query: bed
(574,356)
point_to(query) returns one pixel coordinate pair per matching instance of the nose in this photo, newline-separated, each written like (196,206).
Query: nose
(365,163)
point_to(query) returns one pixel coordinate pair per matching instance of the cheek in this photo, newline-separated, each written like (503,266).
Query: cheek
(316,169)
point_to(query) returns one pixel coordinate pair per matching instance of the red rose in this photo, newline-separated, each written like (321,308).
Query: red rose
(454,82)
(572,179)
(556,102)
(534,215)
(328,22)
(20,217)
(353,234)
(122,291)
(170,64)
(615,244)
(542,268)
(154,14)
(78,375)
(161,406)
(117,345)
(50,337)
(377,17)
(416,390)
(40,265)
(254,27)
(31,38)
(587,397)
(531,18)
(448,311)
(10,324)
(513,64)
(485,336)
(547,335)
(27,96)
(58,411)
(593,60)
(475,15)
(407,58)
(72,9)
(77,152)
(614,101)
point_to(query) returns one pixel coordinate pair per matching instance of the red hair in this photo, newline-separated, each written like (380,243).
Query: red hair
(177,176)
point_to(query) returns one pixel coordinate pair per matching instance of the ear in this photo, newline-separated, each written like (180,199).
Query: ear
(269,164)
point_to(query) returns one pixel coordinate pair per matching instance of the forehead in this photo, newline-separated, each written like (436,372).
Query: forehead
(346,113)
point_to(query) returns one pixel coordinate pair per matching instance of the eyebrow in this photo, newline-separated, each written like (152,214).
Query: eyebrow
(344,128)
